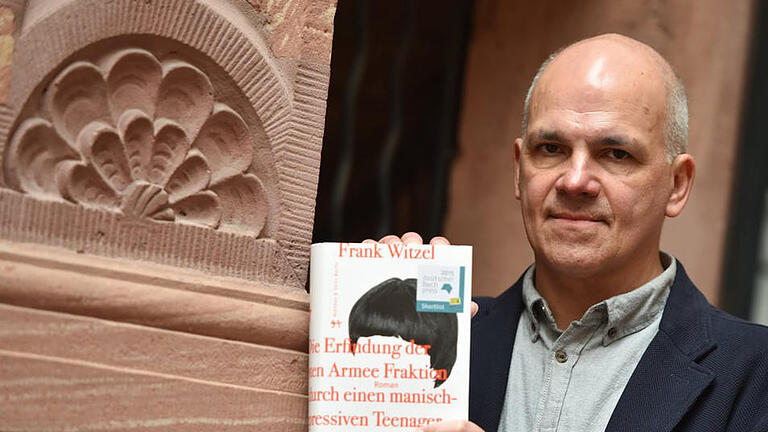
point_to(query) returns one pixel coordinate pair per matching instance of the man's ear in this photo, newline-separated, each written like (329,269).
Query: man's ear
(518,150)
(683,172)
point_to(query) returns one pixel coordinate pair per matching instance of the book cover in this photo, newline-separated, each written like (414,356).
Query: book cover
(389,335)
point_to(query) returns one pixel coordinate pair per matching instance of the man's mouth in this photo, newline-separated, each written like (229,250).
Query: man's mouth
(576,218)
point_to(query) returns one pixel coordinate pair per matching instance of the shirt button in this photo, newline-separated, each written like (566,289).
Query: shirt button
(612,332)
(561,356)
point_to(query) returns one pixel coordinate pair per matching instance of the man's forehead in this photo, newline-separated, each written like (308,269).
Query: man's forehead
(601,65)
(603,75)
(618,48)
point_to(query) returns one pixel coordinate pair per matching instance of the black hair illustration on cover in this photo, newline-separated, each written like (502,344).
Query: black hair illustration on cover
(389,309)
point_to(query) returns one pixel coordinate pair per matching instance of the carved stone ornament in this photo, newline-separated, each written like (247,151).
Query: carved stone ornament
(143,137)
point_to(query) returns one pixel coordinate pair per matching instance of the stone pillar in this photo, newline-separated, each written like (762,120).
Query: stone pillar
(159,168)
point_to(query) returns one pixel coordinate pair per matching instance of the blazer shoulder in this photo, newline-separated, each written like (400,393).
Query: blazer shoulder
(730,331)
(695,325)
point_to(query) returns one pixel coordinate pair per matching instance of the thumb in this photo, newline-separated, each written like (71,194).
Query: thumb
(474,308)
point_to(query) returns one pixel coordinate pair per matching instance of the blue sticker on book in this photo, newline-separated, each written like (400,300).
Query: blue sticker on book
(440,288)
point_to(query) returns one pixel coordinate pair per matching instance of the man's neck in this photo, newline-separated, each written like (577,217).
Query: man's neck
(570,296)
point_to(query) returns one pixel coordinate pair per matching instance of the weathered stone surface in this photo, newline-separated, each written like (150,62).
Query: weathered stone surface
(153,295)
(158,168)
(7,29)
(60,372)
(77,339)
(298,28)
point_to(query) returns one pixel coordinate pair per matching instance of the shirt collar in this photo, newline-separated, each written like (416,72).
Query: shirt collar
(622,314)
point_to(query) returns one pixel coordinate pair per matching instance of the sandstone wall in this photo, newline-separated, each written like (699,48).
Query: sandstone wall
(159,164)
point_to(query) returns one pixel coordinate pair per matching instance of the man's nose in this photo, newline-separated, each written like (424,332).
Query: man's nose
(578,179)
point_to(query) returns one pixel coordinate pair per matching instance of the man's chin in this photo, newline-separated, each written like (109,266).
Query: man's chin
(577,261)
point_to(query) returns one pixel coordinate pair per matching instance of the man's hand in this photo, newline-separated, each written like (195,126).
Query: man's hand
(452,426)
(415,238)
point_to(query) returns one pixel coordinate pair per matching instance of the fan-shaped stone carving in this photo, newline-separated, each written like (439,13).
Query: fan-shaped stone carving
(143,137)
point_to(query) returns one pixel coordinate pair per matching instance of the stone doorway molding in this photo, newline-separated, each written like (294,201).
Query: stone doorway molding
(159,169)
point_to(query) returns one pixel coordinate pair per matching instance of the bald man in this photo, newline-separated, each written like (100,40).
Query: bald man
(604,331)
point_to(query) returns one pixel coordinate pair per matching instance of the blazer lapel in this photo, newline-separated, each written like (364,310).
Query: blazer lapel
(493,334)
(668,379)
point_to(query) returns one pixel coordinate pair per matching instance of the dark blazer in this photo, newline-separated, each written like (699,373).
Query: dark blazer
(703,371)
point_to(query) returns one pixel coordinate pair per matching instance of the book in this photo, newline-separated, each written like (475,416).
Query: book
(388,336)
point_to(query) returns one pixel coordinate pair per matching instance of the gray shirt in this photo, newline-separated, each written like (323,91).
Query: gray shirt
(571,380)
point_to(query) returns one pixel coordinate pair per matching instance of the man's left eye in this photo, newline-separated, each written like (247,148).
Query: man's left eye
(618,154)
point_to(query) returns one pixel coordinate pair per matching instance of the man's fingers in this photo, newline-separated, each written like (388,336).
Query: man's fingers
(390,239)
(369,241)
(452,426)
(439,240)
(474,307)
(412,238)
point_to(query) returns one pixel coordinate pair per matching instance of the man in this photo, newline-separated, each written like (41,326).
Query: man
(604,332)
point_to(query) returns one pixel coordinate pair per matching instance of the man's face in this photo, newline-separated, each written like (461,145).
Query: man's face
(592,174)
